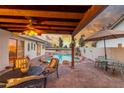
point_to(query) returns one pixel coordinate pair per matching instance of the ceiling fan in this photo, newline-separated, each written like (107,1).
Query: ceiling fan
(30,30)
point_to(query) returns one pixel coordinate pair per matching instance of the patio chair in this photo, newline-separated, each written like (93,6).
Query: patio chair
(110,66)
(8,74)
(119,67)
(122,69)
(116,66)
(52,67)
(18,77)
(98,61)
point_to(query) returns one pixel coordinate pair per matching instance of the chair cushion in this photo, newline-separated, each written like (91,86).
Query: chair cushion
(35,70)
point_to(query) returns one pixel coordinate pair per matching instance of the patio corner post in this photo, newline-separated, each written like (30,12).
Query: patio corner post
(73,46)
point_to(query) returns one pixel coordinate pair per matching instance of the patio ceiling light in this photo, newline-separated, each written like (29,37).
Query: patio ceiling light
(30,32)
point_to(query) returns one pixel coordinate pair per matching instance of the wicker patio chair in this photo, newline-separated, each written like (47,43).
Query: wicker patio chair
(52,67)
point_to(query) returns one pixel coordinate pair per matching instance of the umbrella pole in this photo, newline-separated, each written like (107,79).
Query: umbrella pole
(106,66)
(105,49)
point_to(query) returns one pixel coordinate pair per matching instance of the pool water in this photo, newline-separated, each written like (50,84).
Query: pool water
(63,57)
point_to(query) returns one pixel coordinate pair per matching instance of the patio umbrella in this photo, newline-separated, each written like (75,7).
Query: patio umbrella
(104,35)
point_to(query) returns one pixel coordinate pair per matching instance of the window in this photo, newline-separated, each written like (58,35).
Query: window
(31,45)
(20,50)
(12,50)
(28,46)
(43,47)
(34,46)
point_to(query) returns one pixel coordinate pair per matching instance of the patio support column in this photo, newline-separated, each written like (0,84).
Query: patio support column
(72,64)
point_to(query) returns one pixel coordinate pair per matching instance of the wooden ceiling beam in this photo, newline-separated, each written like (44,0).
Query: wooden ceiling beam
(36,13)
(12,25)
(88,17)
(39,27)
(59,23)
(12,20)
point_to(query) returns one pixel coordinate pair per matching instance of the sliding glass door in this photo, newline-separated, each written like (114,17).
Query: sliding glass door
(12,50)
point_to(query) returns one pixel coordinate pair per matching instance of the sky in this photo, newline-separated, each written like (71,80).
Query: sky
(108,16)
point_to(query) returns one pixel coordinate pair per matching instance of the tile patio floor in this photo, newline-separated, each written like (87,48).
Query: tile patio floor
(85,75)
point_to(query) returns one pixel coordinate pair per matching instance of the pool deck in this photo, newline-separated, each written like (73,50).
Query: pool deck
(84,75)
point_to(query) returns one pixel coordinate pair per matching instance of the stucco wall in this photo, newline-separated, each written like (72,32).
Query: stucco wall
(4,52)
(32,53)
(114,53)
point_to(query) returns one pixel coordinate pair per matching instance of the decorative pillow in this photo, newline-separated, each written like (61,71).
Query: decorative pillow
(22,64)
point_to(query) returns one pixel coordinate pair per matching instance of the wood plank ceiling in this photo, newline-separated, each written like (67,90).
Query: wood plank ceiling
(51,19)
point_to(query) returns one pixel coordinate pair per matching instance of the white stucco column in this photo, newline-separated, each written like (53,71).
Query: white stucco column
(4,51)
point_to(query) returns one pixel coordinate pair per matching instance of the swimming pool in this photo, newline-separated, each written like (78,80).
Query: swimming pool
(63,57)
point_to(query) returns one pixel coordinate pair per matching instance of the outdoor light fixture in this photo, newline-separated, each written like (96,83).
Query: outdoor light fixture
(30,32)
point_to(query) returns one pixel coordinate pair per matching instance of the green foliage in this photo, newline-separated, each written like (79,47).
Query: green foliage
(65,46)
(81,41)
(60,42)
(73,43)
(55,46)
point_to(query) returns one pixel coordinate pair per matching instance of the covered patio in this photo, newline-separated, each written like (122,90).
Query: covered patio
(60,20)
(52,19)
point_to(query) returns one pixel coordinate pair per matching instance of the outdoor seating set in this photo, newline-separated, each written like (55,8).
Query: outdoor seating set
(109,64)
(25,76)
